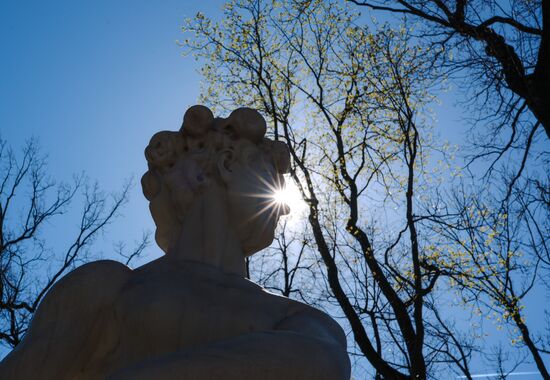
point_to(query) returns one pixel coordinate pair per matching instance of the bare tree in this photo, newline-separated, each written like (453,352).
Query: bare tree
(503,49)
(499,52)
(494,254)
(289,267)
(347,101)
(29,263)
(506,43)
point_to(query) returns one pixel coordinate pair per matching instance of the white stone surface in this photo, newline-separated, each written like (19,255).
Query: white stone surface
(190,314)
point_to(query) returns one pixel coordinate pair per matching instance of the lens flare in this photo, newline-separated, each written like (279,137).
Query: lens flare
(290,196)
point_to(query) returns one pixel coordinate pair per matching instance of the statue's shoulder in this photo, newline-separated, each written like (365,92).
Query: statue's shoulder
(88,285)
(314,322)
(95,276)
(57,342)
(107,269)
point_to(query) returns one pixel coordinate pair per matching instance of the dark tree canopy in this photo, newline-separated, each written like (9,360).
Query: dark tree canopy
(506,43)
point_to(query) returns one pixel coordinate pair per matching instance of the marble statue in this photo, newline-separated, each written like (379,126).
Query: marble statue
(191,314)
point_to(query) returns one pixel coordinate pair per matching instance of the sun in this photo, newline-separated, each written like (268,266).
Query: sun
(289,195)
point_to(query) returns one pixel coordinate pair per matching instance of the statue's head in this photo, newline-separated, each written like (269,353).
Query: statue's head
(231,156)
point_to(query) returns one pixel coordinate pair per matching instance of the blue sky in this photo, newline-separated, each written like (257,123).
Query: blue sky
(93,80)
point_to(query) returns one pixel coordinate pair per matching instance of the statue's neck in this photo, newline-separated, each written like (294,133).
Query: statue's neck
(206,236)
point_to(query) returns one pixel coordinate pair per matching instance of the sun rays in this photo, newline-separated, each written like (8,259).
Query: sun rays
(290,196)
(280,198)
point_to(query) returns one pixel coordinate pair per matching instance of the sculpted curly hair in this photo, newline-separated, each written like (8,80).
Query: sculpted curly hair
(183,163)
